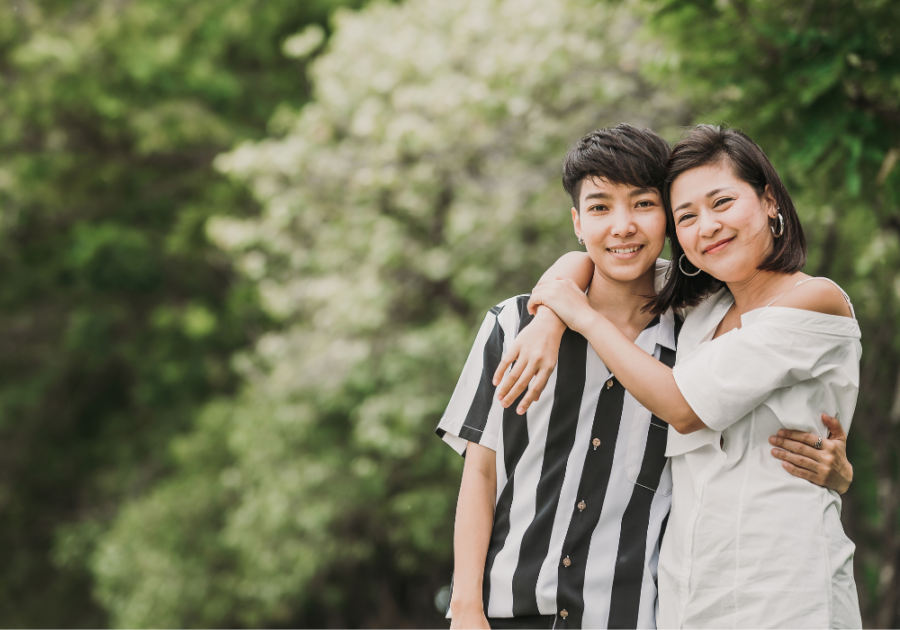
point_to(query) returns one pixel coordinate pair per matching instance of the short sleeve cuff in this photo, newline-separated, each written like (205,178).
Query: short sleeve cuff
(459,442)
(702,402)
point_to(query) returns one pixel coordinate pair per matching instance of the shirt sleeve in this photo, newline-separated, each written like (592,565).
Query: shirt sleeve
(726,378)
(474,414)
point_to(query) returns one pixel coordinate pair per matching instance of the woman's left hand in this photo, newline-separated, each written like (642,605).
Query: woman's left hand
(827,467)
(565,299)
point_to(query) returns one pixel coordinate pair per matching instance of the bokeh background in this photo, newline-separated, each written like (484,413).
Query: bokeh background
(245,246)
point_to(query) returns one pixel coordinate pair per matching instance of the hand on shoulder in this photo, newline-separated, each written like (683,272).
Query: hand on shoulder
(819,295)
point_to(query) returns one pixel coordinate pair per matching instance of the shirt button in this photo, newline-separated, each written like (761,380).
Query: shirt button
(609,383)
(563,613)
(566,562)
(582,505)
(595,442)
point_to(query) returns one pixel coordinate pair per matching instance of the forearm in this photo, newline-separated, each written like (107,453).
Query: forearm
(472,531)
(647,379)
(575,265)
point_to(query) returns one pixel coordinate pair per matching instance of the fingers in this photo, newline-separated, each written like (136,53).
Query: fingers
(507,360)
(803,473)
(511,380)
(799,436)
(795,447)
(538,383)
(796,460)
(835,428)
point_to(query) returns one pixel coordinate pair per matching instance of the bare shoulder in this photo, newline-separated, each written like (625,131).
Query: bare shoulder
(819,295)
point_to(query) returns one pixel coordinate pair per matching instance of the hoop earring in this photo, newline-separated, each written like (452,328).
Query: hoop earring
(680,268)
(780,225)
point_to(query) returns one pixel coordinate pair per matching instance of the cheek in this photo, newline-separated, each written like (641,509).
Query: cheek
(686,236)
(594,229)
(654,227)
(750,216)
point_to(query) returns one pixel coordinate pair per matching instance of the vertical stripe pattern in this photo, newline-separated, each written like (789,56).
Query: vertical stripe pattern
(582,486)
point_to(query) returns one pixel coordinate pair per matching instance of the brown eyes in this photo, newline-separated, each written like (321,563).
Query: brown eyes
(639,204)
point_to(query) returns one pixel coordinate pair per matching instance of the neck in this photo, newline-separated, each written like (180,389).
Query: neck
(622,302)
(756,290)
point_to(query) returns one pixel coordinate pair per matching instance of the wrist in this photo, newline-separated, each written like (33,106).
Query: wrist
(585,320)
(467,605)
(548,318)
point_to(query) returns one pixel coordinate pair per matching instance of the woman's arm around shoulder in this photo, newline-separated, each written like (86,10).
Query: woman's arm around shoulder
(533,353)
(577,266)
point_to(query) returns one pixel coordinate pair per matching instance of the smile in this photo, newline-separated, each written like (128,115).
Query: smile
(626,251)
(718,246)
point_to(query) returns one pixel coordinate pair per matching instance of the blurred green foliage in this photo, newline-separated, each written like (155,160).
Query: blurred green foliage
(220,376)
(118,319)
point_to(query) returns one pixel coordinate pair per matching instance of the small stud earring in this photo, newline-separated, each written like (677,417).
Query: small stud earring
(580,241)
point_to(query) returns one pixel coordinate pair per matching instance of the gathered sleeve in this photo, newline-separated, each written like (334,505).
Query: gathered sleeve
(726,378)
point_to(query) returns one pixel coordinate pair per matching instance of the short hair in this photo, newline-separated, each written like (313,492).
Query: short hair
(706,145)
(621,155)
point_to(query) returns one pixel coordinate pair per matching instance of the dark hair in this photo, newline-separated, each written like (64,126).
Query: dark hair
(711,144)
(621,155)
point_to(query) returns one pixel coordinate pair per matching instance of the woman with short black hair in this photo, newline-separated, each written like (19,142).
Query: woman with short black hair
(763,347)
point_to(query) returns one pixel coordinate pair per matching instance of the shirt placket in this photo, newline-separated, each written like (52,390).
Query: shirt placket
(687,571)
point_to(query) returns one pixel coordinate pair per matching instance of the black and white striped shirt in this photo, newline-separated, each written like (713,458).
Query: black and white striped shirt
(583,485)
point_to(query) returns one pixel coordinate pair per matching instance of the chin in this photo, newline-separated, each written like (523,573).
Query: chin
(626,271)
(730,272)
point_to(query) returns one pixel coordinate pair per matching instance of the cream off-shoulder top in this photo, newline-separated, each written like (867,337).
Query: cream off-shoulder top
(749,545)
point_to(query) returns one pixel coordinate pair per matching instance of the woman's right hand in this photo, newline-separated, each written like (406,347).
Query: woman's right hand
(468,616)
(533,355)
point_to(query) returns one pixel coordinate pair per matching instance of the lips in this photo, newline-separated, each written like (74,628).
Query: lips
(718,246)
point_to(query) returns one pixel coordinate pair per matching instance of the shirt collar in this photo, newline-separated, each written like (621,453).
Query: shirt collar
(665,332)
(660,334)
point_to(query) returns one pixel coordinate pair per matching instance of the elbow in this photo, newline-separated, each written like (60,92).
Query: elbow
(686,423)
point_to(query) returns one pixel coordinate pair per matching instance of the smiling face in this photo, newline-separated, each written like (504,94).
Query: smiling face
(623,227)
(721,222)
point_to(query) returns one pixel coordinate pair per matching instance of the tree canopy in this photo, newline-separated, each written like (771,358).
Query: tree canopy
(118,319)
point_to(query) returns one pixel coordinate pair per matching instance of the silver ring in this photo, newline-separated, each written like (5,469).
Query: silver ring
(819,443)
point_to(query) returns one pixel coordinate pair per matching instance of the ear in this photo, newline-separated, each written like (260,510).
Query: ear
(768,198)
(576,221)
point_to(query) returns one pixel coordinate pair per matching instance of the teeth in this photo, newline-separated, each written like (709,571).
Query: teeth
(624,251)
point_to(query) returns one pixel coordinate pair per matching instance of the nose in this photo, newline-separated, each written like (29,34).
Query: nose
(708,224)
(623,224)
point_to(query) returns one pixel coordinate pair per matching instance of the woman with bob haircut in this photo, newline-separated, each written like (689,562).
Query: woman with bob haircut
(763,348)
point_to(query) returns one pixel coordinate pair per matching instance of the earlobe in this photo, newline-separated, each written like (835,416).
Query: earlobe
(576,223)
(771,203)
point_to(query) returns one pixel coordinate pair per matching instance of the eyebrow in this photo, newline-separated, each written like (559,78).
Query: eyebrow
(711,193)
(634,193)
